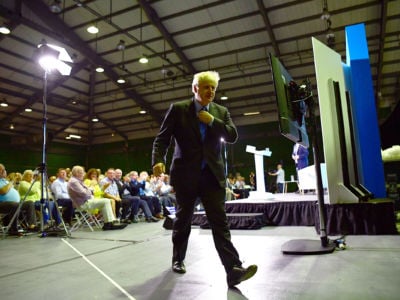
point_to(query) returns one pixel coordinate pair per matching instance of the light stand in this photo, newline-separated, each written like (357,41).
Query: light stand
(305,246)
(50,57)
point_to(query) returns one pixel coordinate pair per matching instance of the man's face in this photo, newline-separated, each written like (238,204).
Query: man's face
(62,174)
(111,174)
(118,174)
(204,92)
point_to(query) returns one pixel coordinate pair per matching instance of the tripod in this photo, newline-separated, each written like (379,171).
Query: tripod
(44,184)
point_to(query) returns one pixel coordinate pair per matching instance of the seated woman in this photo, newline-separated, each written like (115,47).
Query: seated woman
(9,202)
(82,197)
(30,191)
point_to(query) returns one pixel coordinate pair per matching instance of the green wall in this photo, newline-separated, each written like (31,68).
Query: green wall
(136,154)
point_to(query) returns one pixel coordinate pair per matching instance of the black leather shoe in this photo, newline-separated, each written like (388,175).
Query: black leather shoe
(111,226)
(178,267)
(239,274)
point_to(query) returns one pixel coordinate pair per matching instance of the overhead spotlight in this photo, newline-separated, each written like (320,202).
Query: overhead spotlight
(121,45)
(4,103)
(143,59)
(11,126)
(121,80)
(95,119)
(28,109)
(93,29)
(5,29)
(99,69)
(142,111)
(224,97)
(55,6)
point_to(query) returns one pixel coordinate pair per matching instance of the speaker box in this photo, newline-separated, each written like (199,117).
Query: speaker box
(169,222)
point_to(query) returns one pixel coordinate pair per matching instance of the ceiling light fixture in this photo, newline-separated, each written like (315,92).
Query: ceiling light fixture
(121,80)
(55,7)
(93,29)
(11,126)
(28,109)
(252,113)
(95,119)
(143,59)
(4,103)
(224,97)
(325,12)
(99,69)
(5,29)
(75,136)
(121,45)
(142,111)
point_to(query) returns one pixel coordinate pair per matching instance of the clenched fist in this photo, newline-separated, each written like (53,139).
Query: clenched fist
(158,169)
(205,117)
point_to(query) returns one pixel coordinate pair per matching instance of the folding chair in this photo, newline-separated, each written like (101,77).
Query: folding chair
(84,217)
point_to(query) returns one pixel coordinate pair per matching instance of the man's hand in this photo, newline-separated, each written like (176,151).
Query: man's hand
(158,169)
(205,117)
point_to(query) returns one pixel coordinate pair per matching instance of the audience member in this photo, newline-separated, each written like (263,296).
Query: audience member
(9,202)
(134,187)
(130,203)
(30,190)
(82,197)
(60,192)
(110,190)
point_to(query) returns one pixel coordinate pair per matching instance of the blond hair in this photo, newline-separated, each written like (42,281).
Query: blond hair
(207,76)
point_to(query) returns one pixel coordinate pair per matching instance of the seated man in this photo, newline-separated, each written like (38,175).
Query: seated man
(59,189)
(82,197)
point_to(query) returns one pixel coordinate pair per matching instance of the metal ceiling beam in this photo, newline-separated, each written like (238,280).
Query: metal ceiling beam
(41,10)
(268,26)
(384,8)
(153,17)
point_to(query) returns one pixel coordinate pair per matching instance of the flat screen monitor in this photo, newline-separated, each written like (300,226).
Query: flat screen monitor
(291,107)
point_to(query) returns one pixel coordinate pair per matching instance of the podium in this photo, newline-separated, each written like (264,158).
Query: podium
(260,193)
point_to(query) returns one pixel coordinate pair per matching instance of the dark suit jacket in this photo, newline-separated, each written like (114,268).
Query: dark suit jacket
(182,126)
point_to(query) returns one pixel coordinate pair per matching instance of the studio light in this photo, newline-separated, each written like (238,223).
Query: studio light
(4,29)
(53,57)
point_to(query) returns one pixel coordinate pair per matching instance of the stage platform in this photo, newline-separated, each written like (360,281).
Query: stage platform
(374,217)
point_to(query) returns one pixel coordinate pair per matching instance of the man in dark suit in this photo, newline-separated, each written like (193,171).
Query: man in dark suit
(197,171)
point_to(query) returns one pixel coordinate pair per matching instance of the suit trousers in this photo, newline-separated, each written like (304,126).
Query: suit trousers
(212,196)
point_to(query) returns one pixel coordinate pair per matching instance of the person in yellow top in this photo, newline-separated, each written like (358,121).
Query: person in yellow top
(91,180)
(30,191)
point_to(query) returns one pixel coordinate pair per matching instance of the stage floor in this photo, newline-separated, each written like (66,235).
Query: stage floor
(134,263)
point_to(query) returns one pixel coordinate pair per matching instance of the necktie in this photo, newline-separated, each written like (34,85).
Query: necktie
(203,127)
